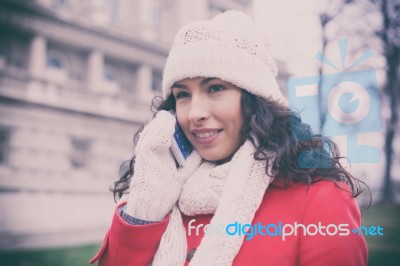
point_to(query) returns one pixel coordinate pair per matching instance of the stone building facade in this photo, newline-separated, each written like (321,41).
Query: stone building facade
(76,80)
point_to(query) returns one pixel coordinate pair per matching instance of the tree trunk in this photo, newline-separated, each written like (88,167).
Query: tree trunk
(391,89)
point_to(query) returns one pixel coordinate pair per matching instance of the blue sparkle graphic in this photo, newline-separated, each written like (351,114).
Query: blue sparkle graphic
(343,52)
(347,103)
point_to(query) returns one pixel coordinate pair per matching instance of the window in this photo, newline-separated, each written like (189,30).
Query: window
(244,2)
(162,17)
(80,154)
(59,2)
(2,51)
(2,56)
(56,60)
(156,81)
(54,63)
(110,73)
(4,144)
(112,7)
(18,53)
(157,14)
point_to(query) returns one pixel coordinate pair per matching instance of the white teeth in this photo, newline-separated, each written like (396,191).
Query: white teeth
(204,135)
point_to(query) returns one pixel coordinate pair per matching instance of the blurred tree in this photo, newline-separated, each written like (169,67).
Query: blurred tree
(389,35)
(387,32)
(333,10)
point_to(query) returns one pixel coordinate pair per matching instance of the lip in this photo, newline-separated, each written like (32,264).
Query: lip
(206,140)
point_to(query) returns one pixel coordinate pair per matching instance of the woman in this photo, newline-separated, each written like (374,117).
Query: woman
(250,193)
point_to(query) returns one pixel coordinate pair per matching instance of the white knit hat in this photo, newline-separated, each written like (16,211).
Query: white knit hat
(228,47)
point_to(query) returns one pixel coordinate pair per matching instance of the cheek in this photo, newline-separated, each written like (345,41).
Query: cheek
(181,115)
(236,126)
(233,121)
(232,112)
(237,122)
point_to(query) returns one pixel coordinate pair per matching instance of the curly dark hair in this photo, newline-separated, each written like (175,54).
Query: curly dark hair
(300,156)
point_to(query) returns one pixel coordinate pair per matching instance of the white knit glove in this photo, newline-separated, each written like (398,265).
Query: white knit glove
(157,183)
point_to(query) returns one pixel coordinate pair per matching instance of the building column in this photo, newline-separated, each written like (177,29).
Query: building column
(188,11)
(98,12)
(95,69)
(126,14)
(144,80)
(146,16)
(37,56)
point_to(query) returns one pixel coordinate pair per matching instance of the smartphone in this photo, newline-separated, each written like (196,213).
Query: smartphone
(181,147)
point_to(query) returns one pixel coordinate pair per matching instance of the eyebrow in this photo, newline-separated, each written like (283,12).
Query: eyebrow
(182,86)
(205,81)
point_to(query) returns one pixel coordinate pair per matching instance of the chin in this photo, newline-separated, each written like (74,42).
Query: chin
(209,157)
(213,157)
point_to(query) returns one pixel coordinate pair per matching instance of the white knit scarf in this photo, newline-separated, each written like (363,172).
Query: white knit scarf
(232,192)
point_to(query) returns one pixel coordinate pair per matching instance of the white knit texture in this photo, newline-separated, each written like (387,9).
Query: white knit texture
(233,192)
(157,183)
(172,251)
(228,47)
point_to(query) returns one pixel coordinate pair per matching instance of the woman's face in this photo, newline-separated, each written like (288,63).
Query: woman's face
(210,115)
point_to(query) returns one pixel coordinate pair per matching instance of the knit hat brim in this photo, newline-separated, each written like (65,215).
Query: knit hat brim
(228,47)
(220,64)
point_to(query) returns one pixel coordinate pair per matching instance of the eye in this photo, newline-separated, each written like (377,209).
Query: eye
(181,94)
(216,88)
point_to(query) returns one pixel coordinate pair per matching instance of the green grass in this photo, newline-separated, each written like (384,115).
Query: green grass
(72,256)
(383,250)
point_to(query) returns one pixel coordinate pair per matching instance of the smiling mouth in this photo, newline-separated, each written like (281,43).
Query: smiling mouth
(204,135)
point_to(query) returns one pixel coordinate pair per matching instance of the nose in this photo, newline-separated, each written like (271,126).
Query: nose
(199,109)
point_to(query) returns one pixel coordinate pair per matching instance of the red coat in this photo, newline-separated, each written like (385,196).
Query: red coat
(322,202)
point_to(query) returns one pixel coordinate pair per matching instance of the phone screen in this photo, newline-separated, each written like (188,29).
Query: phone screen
(181,147)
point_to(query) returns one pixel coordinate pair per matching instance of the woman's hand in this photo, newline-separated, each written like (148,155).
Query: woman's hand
(157,183)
